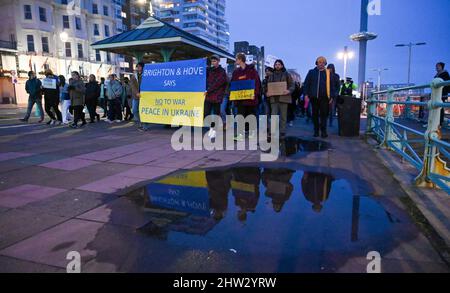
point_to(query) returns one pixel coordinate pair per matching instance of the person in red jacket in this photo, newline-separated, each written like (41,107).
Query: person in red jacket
(247,107)
(216,83)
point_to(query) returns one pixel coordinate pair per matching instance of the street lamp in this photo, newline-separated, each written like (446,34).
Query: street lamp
(64,37)
(410,45)
(379,70)
(151,12)
(346,55)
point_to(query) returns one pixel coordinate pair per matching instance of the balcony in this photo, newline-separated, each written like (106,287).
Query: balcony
(8,45)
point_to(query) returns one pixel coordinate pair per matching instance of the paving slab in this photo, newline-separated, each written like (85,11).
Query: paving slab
(24,194)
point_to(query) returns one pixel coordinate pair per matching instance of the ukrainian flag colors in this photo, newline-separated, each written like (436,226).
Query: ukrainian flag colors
(242,90)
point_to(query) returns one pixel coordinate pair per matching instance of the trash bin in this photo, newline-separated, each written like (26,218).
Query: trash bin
(349,116)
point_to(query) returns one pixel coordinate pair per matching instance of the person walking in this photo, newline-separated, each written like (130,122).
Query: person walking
(336,80)
(50,88)
(216,85)
(114,90)
(77,91)
(443,74)
(33,87)
(320,91)
(92,97)
(266,102)
(246,107)
(64,98)
(102,99)
(126,99)
(279,104)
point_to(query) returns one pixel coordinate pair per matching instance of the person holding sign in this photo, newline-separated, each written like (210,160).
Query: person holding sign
(245,89)
(217,82)
(50,87)
(280,87)
(320,91)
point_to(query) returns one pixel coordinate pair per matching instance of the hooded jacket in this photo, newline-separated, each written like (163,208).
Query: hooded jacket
(33,88)
(217,82)
(281,76)
(249,73)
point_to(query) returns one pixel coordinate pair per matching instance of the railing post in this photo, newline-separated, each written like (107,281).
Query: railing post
(408,108)
(388,132)
(371,112)
(432,162)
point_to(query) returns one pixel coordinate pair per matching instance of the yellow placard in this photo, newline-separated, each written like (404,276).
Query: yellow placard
(191,179)
(170,108)
(236,185)
(242,95)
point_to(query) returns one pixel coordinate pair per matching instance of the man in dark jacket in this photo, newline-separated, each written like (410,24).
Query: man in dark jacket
(216,85)
(92,95)
(320,91)
(33,88)
(316,189)
(50,88)
(443,74)
(336,81)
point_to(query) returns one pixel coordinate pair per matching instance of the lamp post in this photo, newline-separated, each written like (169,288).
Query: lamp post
(379,70)
(346,55)
(151,11)
(410,45)
(64,37)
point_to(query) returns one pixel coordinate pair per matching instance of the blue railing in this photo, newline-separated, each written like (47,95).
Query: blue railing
(396,137)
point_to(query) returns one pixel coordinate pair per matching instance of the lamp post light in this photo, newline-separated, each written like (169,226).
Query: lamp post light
(346,55)
(64,37)
(379,70)
(410,45)
(151,11)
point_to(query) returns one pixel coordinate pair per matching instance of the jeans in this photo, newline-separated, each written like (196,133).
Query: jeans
(31,102)
(137,117)
(51,104)
(65,111)
(92,108)
(210,109)
(281,110)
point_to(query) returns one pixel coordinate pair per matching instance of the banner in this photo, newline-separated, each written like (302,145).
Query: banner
(49,83)
(174,90)
(242,90)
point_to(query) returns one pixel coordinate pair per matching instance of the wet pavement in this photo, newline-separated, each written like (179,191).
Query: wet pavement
(127,202)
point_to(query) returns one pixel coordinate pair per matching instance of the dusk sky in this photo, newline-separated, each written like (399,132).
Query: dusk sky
(298,31)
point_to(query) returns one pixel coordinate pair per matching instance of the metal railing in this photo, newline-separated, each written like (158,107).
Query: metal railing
(397,137)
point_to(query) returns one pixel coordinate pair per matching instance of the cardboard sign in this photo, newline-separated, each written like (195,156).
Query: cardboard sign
(276,88)
(49,83)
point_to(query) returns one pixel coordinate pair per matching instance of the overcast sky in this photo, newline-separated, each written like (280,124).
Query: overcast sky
(300,30)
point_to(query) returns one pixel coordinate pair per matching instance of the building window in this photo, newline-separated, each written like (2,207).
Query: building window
(78,23)
(98,57)
(108,57)
(80,51)
(30,43)
(106,31)
(45,47)
(66,23)
(64,2)
(42,14)
(68,50)
(27,10)
(96,30)
(94,8)
(105,10)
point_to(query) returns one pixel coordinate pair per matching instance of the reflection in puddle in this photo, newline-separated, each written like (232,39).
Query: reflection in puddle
(294,146)
(262,210)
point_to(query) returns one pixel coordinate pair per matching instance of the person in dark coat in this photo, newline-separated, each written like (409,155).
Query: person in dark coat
(50,88)
(336,80)
(33,88)
(320,91)
(245,189)
(246,107)
(278,186)
(219,184)
(92,96)
(316,189)
(443,74)
(216,85)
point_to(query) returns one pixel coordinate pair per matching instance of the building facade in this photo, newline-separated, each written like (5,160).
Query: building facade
(203,18)
(56,34)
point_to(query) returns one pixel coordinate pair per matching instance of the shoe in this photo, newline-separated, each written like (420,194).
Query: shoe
(291,124)
(53,122)
(41,120)
(83,124)
(98,117)
(118,121)
(212,133)
(24,120)
(240,137)
(74,126)
(316,134)
(108,121)
(49,122)
(324,135)
(92,122)
(58,123)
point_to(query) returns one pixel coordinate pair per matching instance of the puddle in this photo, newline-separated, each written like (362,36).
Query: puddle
(295,147)
(273,216)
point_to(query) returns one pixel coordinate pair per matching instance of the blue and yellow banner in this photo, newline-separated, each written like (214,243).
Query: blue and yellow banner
(173,93)
(242,90)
